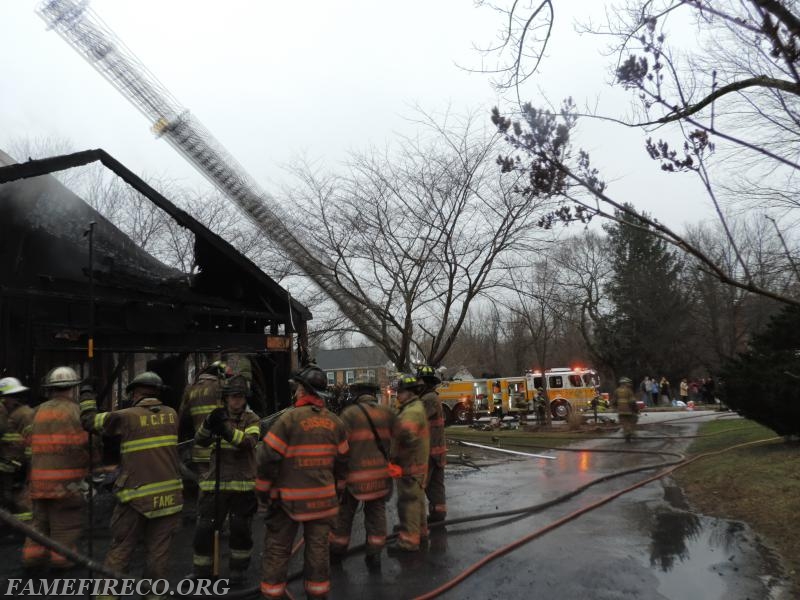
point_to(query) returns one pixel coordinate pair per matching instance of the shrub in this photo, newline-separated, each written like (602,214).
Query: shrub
(763,383)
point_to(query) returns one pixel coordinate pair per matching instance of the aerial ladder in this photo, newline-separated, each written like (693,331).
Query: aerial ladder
(85,31)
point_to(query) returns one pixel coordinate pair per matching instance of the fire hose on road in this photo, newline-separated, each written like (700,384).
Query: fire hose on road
(671,468)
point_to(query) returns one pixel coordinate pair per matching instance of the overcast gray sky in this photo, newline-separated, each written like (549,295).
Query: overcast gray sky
(275,79)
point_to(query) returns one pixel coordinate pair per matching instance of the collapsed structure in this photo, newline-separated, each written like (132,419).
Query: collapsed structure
(141,309)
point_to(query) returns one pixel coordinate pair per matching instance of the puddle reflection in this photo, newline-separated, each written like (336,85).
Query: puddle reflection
(671,535)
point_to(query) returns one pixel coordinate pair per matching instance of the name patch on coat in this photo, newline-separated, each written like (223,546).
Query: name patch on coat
(317,423)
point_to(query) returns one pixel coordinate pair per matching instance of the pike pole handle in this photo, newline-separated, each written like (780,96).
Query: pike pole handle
(217,554)
(217,506)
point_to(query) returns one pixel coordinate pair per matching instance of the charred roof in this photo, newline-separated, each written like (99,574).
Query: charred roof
(43,247)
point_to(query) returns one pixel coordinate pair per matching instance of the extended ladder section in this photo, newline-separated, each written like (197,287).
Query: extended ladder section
(85,32)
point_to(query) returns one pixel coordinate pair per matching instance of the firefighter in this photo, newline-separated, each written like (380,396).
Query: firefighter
(238,428)
(14,451)
(59,466)
(625,400)
(369,430)
(409,457)
(303,457)
(434,490)
(149,490)
(199,399)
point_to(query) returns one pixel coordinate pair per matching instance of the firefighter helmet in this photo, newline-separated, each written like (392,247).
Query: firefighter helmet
(410,383)
(219,369)
(146,379)
(312,378)
(10,386)
(624,380)
(61,377)
(236,386)
(364,386)
(428,374)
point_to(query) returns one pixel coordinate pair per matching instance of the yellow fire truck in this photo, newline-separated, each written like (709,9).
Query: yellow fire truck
(460,398)
(567,389)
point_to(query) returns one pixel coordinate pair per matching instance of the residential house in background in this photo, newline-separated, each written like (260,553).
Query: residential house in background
(344,365)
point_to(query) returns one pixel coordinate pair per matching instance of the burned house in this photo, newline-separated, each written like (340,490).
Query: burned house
(141,312)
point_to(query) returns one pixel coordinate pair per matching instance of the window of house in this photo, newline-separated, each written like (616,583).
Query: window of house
(556,381)
(349,377)
(331,377)
(371,375)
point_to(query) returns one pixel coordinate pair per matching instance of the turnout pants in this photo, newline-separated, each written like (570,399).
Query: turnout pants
(411,512)
(278,539)
(128,527)
(374,523)
(437,500)
(241,506)
(60,519)
(628,422)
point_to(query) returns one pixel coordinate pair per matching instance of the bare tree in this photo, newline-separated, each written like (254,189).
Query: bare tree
(725,316)
(515,54)
(539,304)
(585,267)
(730,101)
(418,232)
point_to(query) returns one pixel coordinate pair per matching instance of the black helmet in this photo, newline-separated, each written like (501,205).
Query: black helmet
(312,378)
(408,382)
(364,386)
(428,374)
(219,369)
(236,386)
(146,379)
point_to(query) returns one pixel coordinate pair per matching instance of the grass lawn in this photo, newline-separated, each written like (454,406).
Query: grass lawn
(759,485)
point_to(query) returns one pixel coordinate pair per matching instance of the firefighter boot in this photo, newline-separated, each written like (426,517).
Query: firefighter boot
(401,550)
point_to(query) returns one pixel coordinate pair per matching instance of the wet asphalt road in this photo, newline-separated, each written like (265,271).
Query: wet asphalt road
(644,545)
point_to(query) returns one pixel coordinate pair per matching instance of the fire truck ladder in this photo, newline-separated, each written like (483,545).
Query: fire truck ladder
(85,31)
